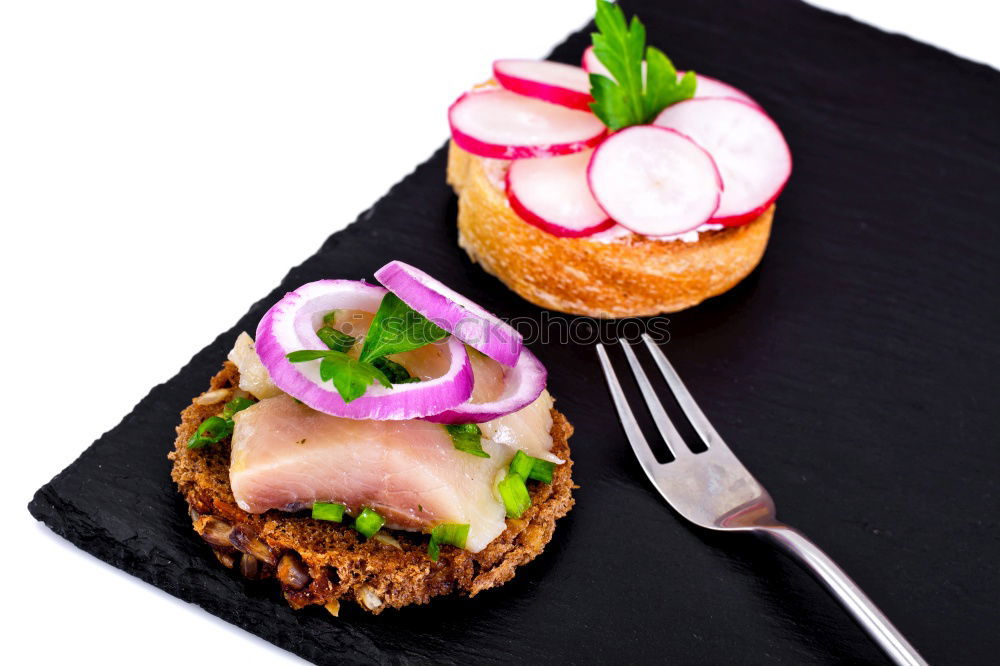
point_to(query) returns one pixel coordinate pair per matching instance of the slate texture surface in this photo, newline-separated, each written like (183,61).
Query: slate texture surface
(854,372)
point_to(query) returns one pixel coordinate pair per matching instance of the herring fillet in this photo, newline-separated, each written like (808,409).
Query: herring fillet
(287,456)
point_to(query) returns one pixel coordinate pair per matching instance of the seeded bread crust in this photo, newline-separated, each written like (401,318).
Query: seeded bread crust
(320,562)
(635,276)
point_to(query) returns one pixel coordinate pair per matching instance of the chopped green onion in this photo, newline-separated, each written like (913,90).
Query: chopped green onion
(522,464)
(448,533)
(396,373)
(542,470)
(211,431)
(368,522)
(467,437)
(235,405)
(514,493)
(328,511)
(335,340)
(330,317)
(529,467)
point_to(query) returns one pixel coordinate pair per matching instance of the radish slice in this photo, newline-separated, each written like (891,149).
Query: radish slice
(654,181)
(453,312)
(291,324)
(505,125)
(553,194)
(549,81)
(747,146)
(522,385)
(707,86)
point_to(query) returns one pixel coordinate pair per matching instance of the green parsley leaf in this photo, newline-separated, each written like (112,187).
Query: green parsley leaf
(350,376)
(306,355)
(631,98)
(398,328)
(396,373)
(662,86)
(334,339)
(467,437)
(453,534)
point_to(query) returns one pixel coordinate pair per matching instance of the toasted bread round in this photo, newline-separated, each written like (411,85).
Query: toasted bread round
(632,276)
(320,562)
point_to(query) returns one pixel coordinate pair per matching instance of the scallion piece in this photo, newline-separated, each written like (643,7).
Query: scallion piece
(514,493)
(211,431)
(529,467)
(522,464)
(368,522)
(237,404)
(467,437)
(330,317)
(542,470)
(335,340)
(328,511)
(449,533)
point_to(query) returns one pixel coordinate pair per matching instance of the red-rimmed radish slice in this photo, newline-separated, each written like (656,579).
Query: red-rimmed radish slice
(553,194)
(707,86)
(746,145)
(549,81)
(654,181)
(453,312)
(522,385)
(291,324)
(505,125)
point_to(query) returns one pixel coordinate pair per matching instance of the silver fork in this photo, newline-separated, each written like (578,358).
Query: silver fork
(714,490)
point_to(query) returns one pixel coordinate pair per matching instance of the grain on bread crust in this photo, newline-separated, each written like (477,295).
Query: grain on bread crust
(319,562)
(635,276)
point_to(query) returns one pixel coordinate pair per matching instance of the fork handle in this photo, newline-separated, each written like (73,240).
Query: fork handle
(847,593)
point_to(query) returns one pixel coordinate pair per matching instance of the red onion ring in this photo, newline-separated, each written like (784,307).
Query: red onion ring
(291,324)
(522,385)
(453,312)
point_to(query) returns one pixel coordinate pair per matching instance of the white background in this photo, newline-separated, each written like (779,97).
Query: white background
(162,165)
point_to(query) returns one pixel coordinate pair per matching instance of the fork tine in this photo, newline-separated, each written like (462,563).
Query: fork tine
(668,432)
(691,409)
(635,437)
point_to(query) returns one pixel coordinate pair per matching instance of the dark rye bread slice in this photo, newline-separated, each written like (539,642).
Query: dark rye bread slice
(319,562)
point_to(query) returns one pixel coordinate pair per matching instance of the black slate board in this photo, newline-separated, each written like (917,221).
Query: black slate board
(853,372)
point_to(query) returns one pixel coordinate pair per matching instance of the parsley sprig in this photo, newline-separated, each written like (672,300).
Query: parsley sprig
(632,98)
(350,376)
(396,328)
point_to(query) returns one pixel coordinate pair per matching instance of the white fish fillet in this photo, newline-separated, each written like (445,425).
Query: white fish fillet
(287,456)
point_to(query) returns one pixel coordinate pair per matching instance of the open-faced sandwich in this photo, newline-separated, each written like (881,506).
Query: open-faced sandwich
(620,188)
(382,445)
